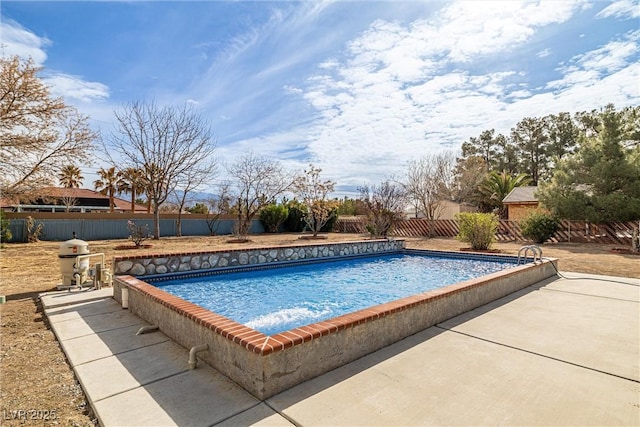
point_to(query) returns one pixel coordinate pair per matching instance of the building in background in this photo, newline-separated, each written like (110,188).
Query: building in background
(58,199)
(520,202)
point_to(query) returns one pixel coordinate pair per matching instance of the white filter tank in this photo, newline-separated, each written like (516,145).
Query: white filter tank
(71,272)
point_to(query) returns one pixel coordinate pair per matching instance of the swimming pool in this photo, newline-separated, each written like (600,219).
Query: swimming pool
(268,364)
(275,300)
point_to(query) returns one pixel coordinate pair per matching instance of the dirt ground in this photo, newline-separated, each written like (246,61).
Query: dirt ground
(37,385)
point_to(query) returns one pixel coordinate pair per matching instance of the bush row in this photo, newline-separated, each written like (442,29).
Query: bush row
(290,217)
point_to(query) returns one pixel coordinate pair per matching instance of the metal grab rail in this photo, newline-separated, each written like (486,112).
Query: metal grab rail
(535,250)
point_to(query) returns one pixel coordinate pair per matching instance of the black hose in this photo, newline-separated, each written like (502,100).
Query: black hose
(582,278)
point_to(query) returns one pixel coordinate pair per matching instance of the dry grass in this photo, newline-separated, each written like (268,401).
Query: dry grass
(34,372)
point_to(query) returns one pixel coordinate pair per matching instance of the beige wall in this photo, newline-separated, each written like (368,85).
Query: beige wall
(517,212)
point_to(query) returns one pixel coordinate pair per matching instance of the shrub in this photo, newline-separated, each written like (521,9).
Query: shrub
(384,204)
(295,221)
(477,229)
(137,233)
(272,216)
(198,208)
(5,231)
(539,226)
(33,230)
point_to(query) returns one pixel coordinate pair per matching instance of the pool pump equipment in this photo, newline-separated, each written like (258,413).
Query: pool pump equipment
(75,266)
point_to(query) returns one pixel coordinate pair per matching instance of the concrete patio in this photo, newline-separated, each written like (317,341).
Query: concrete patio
(561,352)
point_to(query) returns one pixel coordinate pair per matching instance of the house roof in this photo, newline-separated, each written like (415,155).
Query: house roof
(524,194)
(79,193)
(125,205)
(72,192)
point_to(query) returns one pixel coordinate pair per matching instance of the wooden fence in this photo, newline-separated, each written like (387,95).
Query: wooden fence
(615,233)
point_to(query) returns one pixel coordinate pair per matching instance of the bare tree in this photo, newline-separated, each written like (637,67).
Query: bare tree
(218,207)
(385,206)
(430,181)
(469,174)
(191,180)
(165,143)
(259,181)
(68,202)
(313,193)
(38,134)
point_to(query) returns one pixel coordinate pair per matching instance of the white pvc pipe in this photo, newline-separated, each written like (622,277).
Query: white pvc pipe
(147,329)
(193,362)
(125,297)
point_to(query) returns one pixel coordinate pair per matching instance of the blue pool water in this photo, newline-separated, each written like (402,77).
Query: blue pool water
(279,299)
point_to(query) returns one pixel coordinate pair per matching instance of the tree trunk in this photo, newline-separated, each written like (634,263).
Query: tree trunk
(133,200)
(156,224)
(111,201)
(179,225)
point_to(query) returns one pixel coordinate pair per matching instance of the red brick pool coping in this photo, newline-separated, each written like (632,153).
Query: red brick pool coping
(264,345)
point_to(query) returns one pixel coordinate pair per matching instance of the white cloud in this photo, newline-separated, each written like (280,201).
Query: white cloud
(292,90)
(621,9)
(544,53)
(470,28)
(75,88)
(589,66)
(401,91)
(17,40)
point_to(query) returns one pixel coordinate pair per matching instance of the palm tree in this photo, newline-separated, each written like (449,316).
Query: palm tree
(496,186)
(70,176)
(108,184)
(131,181)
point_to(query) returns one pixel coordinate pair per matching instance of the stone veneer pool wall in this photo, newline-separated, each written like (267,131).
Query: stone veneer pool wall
(266,365)
(149,265)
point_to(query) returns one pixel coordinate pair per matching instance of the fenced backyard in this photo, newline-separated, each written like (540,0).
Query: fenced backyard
(614,233)
(99,226)
(61,226)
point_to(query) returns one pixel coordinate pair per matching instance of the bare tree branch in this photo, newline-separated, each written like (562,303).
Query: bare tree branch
(165,143)
(38,134)
(258,181)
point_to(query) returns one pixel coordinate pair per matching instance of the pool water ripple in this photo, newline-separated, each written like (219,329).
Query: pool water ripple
(279,299)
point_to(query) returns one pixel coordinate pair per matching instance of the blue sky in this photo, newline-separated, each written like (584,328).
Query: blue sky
(357,88)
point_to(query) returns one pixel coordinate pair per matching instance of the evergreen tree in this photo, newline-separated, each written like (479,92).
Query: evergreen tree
(601,181)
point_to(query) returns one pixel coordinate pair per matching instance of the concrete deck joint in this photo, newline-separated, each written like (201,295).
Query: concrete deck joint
(595,296)
(120,353)
(148,383)
(537,354)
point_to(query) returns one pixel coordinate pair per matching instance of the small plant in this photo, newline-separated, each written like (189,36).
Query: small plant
(5,231)
(477,229)
(539,226)
(33,230)
(319,215)
(384,205)
(213,223)
(272,216)
(137,233)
